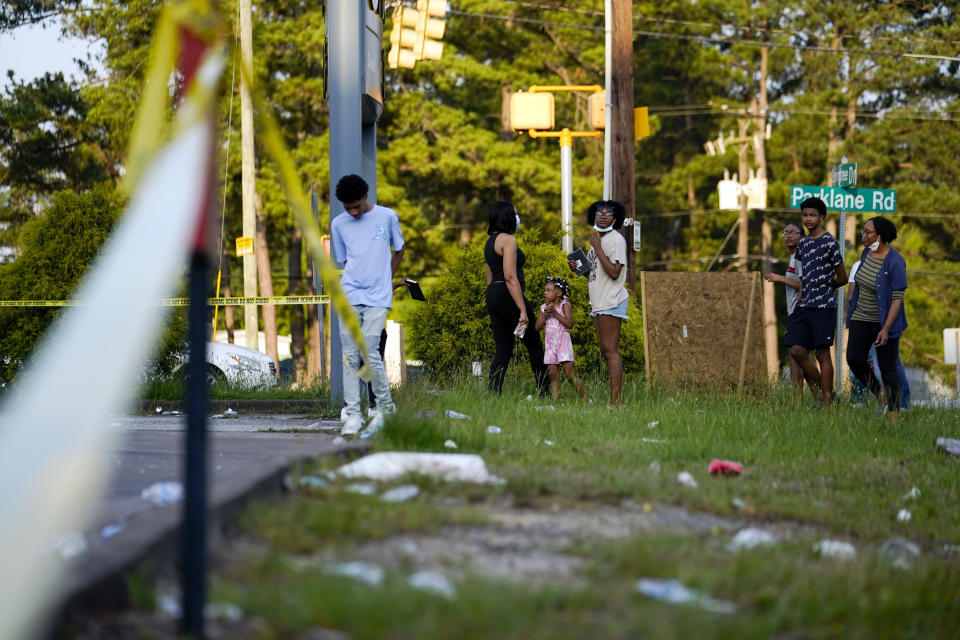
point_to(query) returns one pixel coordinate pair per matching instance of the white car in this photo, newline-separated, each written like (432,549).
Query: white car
(239,366)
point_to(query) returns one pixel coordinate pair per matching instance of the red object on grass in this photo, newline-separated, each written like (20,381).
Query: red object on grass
(726,467)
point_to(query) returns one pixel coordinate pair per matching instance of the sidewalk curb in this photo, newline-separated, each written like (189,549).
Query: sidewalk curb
(96,581)
(217,405)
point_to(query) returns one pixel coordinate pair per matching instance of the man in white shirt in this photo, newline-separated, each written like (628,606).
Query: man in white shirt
(368,239)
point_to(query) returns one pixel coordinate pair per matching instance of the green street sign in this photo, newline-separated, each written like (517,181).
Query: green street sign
(876,200)
(845,175)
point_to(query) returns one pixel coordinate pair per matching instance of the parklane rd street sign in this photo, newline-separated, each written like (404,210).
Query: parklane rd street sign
(876,200)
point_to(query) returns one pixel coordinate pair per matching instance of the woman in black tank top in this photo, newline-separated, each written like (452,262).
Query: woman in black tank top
(508,307)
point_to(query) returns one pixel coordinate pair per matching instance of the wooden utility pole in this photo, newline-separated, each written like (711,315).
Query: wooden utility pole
(623,180)
(248,175)
(770,333)
(743,237)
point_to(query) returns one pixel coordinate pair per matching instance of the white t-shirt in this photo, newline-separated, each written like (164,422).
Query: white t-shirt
(605,292)
(794,272)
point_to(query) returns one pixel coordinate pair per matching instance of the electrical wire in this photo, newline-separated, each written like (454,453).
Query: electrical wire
(712,25)
(707,39)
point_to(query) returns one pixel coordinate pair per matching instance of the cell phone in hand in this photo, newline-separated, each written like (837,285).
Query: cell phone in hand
(415,291)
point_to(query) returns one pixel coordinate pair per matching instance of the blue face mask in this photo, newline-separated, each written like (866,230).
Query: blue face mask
(602,230)
(518,219)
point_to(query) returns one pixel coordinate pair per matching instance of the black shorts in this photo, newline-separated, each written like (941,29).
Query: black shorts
(811,328)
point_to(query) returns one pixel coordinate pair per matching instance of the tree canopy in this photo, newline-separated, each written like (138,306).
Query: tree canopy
(876,83)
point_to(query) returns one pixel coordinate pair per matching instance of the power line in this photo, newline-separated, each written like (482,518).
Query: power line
(708,40)
(709,110)
(711,25)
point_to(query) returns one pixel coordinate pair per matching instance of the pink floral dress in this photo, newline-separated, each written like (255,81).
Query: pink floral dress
(557,346)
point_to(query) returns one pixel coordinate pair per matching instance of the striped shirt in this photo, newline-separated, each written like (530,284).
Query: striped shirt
(868,309)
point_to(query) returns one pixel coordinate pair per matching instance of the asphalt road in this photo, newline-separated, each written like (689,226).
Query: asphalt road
(248,455)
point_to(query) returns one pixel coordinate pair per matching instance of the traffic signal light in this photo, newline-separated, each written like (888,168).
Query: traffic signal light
(430,28)
(403,39)
(416,33)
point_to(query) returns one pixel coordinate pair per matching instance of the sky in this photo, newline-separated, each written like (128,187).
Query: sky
(33,50)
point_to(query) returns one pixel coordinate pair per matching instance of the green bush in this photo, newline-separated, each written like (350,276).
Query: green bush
(57,247)
(453,328)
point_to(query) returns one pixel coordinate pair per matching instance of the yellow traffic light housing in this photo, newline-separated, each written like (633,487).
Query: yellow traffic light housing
(531,111)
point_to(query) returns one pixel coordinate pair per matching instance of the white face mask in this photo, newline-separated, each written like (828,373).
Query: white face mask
(875,245)
(602,230)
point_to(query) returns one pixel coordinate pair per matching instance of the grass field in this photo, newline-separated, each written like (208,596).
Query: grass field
(809,474)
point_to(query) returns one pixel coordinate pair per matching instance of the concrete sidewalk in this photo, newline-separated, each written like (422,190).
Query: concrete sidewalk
(248,457)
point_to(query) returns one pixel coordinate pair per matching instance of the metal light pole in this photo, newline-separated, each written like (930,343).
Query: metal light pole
(566,137)
(566,177)
(355,100)
(566,190)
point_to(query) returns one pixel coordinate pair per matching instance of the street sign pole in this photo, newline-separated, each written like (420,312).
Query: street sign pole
(845,176)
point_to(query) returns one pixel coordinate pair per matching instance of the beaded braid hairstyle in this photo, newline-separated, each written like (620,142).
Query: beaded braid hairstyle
(561,284)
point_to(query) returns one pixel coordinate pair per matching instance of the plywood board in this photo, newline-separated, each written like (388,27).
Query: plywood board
(703,329)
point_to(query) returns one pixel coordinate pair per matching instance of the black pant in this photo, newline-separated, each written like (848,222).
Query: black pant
(862,335)
(504,317)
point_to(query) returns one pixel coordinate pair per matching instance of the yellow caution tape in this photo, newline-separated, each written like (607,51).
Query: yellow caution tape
(182,302)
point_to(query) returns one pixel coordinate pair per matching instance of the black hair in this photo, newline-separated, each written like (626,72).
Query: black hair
(503,218)
(351,188)
(813,202)
(884,228)
(798,225)
(560,283)
(619,212)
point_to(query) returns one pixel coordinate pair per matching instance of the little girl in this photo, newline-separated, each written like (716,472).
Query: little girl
(557,317)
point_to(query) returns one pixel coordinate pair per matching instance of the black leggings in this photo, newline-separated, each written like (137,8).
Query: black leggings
(504,316)
(862,335)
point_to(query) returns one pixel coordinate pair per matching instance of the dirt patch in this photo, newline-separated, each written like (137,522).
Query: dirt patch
(530,545)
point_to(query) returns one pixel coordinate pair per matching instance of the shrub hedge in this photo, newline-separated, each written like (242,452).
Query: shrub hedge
(453,328)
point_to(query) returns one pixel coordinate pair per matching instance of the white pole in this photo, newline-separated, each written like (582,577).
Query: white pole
(956,346)
(566,194)
(607,87)
(841,293)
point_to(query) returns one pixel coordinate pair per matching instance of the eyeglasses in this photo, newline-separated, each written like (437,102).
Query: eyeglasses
(868,232)
(605,211)
(790,233)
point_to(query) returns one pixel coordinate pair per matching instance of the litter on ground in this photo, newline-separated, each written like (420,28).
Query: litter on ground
(361,488)
(901,553)
(750,538)
(949,445)
(494,429)
(161,493)
(401,494)
(456,415)
(834,549)
(389,465)
(904,515)
(725,467)
(433,582)
(365,572)
(450,444)
(686,479)
(675,592)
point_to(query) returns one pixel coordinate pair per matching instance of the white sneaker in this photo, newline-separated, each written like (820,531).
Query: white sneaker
(351,426)
(375,424)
